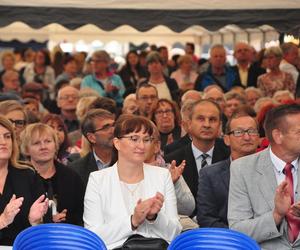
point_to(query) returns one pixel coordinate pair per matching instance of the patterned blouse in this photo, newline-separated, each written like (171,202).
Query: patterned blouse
(269,84)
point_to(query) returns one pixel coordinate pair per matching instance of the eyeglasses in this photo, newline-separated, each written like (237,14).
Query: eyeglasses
(137,139)
(106,127)
(18,123)
(146,98)
(162,112)
(66,97)
(242,132)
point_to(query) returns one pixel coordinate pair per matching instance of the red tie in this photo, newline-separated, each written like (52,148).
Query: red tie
(293,222)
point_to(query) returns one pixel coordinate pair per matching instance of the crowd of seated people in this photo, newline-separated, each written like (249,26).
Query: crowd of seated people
(149,149)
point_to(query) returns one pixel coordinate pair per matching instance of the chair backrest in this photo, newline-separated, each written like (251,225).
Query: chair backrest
(213,238)
(58,236)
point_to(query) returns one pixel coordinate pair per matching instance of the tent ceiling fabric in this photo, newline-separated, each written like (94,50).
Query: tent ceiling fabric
(158,4)
(283,15)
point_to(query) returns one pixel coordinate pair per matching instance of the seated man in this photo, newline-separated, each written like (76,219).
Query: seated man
(264,197)
(243,139)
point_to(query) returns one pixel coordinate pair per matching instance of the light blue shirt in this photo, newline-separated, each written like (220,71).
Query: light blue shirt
(278,169)
(198,156)
(99,162)
(90,81)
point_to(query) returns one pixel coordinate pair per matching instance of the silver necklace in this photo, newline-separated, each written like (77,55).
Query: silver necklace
(132,192)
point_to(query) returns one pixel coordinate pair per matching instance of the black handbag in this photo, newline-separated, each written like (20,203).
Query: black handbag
(139,242)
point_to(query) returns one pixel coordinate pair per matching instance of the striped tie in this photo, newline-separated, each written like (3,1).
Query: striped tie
(204,162)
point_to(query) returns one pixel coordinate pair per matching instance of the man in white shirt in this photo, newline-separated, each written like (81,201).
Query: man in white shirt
(264,198)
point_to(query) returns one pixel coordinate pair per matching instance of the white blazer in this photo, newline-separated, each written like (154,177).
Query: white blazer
(105,212)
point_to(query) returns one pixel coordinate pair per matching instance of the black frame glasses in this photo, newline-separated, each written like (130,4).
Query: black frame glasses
(242,132)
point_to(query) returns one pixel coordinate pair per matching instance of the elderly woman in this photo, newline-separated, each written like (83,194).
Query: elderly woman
(102,80)
(275,79)
(64,187)
(167,119)
(22,202)
(185,76)
(143,201)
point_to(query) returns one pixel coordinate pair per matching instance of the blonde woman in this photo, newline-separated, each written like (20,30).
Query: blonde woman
(22,202)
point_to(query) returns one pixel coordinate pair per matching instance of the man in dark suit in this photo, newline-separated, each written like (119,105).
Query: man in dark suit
(246,72)
(205,148)
(212,200)
(98,128)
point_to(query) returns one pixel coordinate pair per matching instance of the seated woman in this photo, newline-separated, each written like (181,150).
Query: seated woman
(167,119)
(64,187)
(185,199)
(131,197)
(22,202)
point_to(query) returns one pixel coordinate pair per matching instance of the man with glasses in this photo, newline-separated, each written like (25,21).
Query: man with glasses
(264,189)
(67,99)
(98,128)
(147,98)
(242,136)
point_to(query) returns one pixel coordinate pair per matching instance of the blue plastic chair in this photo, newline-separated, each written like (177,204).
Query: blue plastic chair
(58,236)
(213,239)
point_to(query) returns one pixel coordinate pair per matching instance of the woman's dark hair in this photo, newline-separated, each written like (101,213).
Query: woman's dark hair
(127,124)
(46,54)
(175,110)
(65,144)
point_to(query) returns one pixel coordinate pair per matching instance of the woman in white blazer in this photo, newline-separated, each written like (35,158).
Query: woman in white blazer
(131,197)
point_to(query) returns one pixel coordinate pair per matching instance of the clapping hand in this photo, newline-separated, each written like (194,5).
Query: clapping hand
(37,210)
(10,211)
(282,202)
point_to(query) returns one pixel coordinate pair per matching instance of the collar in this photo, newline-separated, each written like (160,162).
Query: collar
(280,164)
(97,159)
(197,153)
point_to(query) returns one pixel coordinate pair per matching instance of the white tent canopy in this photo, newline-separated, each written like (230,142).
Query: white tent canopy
(156,21)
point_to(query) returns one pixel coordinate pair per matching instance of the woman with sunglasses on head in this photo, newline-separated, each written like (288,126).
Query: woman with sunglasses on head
(143,200)
(15,112)
(22,202)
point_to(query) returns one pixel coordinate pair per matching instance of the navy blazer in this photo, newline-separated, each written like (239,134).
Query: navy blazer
(190,173)
(212,197)
(253,73)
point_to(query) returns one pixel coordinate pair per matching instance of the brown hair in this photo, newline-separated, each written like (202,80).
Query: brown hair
(15,148)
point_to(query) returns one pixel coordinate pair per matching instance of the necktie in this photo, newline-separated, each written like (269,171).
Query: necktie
(293,223)
(204,162)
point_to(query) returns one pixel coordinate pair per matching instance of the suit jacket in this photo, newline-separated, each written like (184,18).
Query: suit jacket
(84,166)
(183,141)
(251,201)
(23,183)
(106,213)
(212,198)
(190,173)
(253,73)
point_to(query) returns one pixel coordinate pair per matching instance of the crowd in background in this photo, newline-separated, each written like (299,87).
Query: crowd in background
(67,115)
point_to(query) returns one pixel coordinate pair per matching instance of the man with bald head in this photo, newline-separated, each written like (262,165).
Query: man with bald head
(218,72)
(191,95)
(247,73)
(67,99)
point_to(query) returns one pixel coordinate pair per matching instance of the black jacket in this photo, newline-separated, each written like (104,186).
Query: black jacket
(84,166)
(190,173)
(24,183)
